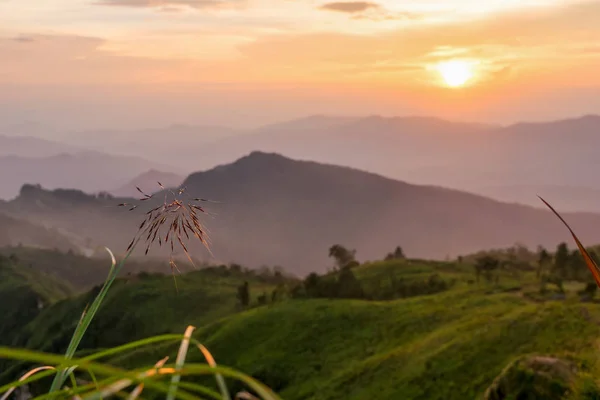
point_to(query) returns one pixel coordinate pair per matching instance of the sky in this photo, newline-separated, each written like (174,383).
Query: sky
(86,64)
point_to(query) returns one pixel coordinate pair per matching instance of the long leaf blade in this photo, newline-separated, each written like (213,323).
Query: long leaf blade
(589,261)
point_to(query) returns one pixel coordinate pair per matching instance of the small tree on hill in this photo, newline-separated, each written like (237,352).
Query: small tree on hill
(577,268)
(342,255)
(561,260)
(486,266)
(311,285)
(348,286)
(243,294)
(544,261)
(397,254)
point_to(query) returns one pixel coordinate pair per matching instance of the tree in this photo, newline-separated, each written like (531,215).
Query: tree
(397,254)
(244,294)
(576,266)
(561,260)
(348,286)
(544,260)
(262,299)
(311,285)
(486,266)
(342,255)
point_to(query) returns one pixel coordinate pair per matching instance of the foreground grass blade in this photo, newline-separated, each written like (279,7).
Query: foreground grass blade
(181,354)
(136,376)
(88,315)
(24,377)
(589,261)
(220,381)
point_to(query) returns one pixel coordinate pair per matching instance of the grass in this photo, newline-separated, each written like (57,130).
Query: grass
(108,380)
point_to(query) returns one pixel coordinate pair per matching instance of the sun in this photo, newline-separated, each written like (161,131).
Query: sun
(455,73)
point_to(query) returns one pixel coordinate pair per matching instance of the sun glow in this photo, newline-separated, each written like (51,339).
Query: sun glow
(455,73)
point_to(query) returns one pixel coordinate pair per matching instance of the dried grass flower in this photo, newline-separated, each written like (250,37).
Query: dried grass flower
(172,223)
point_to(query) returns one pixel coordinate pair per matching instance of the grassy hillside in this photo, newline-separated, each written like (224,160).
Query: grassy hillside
(24,294)
(15,231)
(451,344)
(448,346)
(146,304)
(81,272)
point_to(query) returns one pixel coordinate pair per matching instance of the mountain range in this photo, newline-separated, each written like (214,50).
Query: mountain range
(511,163)
(515,161)
(89,171)
(273,210)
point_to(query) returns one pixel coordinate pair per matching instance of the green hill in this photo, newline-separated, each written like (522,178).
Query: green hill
(144,305)
(451,343)
(81,272)
(16,231)
(24,294)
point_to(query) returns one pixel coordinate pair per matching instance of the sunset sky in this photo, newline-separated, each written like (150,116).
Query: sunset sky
(248,62)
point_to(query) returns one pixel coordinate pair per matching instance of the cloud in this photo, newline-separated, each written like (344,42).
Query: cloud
(350,6)
(363,10)
(23,39)
(168,4)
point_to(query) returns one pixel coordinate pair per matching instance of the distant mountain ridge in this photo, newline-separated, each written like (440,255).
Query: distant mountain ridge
(89,171)
(29,146)
(423,150)
(518,158)
(275,210)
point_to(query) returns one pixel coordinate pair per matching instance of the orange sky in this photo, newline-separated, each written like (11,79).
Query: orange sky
(385,50)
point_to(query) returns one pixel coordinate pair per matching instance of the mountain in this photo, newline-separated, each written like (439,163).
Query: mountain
(148,182)
(273,210)
(433,151)
(17,232)
(179,145)
(376,144)
(28,146)
(87,171)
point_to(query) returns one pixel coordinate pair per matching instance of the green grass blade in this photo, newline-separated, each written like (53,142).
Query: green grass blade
(180,361)
(219,378)
(28,374)
(118,373)
(87,317)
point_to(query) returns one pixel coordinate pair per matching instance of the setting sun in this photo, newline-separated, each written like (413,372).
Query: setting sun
(455,73)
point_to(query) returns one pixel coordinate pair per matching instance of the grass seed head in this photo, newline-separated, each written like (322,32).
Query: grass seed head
(172,223)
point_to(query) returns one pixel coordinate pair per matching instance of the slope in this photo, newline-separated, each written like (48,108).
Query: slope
(78,271)
(147,304)
(24,293)
(16,232)
(449,345)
